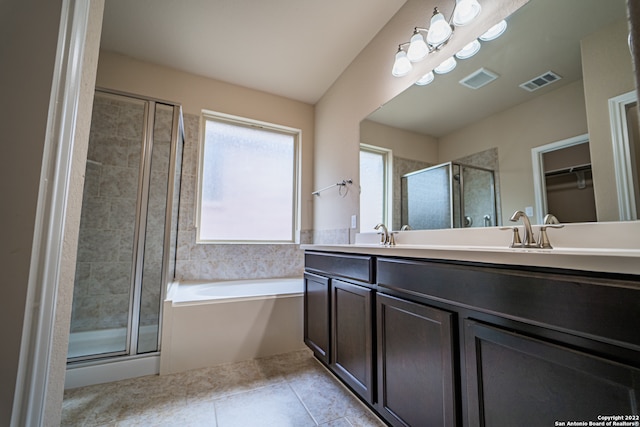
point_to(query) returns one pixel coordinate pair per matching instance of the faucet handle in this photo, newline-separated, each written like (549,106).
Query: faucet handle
(516,242)
(392,239)
(544,239)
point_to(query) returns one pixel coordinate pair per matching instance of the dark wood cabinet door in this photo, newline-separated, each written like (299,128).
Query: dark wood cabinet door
(316,315)
(352,351)
(517,380)
(415,364)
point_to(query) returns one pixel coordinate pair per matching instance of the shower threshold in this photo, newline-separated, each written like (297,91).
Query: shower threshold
(106,341)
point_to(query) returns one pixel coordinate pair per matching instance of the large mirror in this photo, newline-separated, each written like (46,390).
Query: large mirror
(575,56)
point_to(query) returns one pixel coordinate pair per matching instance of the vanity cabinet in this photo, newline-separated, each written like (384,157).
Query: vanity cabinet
(416,385)
(473,344)
(339,319)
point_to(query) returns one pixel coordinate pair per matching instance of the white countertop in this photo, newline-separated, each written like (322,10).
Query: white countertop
(607,247)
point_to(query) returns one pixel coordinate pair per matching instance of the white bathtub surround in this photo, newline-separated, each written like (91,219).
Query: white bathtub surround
(208,324)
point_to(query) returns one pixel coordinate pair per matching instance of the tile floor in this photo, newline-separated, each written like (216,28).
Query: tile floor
(290,390)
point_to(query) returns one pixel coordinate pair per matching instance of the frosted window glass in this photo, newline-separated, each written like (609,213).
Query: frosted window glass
(248,184)
(372,189)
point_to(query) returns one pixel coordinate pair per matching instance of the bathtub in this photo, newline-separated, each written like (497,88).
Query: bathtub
(211,323)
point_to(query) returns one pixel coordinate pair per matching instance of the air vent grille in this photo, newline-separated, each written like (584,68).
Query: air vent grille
(540,81)
(479,78)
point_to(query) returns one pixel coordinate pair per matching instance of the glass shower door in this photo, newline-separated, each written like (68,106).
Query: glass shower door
(426,198)
(104,269)
(128,231)
(478,197)
(154,231)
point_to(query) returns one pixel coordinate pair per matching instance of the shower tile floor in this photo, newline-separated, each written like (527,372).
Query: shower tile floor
(290,390)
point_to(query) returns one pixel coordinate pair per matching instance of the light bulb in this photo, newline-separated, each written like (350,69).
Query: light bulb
(418,49)
(469,50)
(426,79)
(465,12)
(402,65)
(494,32)
(447,66)
(439,30)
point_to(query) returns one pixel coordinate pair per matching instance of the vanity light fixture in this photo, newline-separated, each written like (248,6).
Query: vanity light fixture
(469,50)
(494,32)
(465,12)
(402,65)
(426,79)
(418,48)
(439,31)
(437,35)
(447,66)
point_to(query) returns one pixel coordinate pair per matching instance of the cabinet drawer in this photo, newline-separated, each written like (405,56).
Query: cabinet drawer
(605,308)
(356,267)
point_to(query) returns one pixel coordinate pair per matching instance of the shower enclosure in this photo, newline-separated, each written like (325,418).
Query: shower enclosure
(128,230)
(449,195)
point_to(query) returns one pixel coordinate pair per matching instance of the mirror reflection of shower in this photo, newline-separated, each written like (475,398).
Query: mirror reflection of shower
(449,195)
(126,247)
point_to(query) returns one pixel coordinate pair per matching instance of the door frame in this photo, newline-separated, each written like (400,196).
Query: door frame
(622,160)
(539,185)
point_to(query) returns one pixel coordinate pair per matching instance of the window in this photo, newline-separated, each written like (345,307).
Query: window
(247,181)
(375,194)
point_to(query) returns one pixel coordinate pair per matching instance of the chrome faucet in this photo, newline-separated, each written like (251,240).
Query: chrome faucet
(406,227)
(528,240)
(386,237)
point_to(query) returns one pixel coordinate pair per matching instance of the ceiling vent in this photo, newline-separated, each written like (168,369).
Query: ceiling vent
(540,81)
(479,78)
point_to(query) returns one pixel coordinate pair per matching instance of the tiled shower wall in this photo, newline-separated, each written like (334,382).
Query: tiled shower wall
(224,261)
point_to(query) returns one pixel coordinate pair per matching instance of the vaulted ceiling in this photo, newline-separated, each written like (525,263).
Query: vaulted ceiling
(292,48)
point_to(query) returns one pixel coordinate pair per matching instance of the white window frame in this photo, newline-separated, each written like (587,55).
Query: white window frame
(207,115)
(387,201)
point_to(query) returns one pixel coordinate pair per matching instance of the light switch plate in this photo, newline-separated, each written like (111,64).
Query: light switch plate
(529,211)
(354,221)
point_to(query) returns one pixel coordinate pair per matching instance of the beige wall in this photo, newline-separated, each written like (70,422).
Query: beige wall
(405,144)
(29,45)
(196,93)
(364,86)
(548,118)
(605,54)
